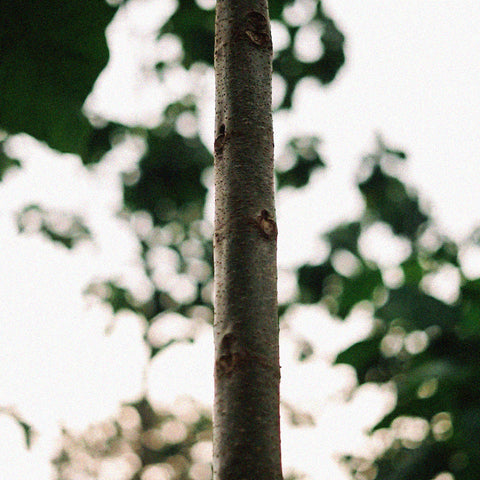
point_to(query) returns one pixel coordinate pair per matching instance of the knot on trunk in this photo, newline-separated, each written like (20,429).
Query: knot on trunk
(230,355)
(256,29)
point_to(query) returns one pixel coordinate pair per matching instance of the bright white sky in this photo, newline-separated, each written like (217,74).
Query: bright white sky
(412,74)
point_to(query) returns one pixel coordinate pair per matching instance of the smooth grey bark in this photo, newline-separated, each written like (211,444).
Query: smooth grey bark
(247,372)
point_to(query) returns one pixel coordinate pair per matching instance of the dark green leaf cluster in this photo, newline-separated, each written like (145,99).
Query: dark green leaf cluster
(426,347)
(60,227)
(7,163)
(307,160)
(170,177)
(324,69)
(52,52)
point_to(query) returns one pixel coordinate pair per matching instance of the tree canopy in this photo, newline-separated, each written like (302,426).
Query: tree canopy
(425,346)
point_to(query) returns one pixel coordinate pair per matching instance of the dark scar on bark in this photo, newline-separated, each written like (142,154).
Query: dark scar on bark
(256,29)
(220,139)
(230,356)
(266,225)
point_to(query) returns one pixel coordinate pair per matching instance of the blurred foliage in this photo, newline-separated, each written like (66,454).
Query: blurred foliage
(141,442)
(6,163)
(191,244)
(325,69)
(28,431)
(307,159)
(52,52)
(65,228)
(195,27)
(387,199)
(108,291)
(425,346)
(169,184)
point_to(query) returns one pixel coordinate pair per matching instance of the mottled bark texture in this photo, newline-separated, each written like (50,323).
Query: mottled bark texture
(247,371)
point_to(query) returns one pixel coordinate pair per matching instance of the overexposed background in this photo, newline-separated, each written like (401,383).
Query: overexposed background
(412,73)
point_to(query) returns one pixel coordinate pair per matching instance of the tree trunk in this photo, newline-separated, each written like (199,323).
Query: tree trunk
(247,371)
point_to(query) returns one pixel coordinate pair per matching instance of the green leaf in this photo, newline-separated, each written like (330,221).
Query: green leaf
(455,390)
(118,297)
(387,200)
(62,227)
(52,52)
(317,282)
(196,29)
(418,310)
(307,160)
(447,253)
(412,271)
(325,69)
(363,356)
(276,7)
(101,140)
(358,288)
(28,432)
(345,237)
(7,163)
(312,280)
(455,346)
(170,177)
(421,463)
(470,305)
